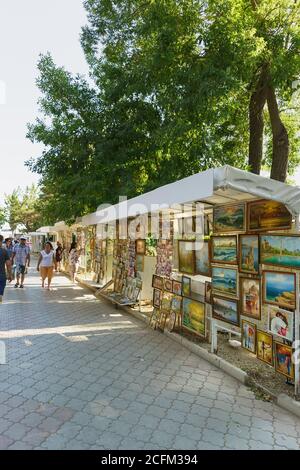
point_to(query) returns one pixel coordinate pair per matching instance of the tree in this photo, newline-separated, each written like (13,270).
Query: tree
(24,208)
(13,209)
(2,216)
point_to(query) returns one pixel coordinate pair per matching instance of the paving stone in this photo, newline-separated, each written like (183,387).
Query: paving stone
(5,442)
(236,443)
(286,441)
(17,431)
(213,437)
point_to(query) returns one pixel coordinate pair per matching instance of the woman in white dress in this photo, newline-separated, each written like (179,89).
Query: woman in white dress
(46,264)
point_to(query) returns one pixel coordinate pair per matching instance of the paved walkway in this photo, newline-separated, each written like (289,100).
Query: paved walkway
(81,375)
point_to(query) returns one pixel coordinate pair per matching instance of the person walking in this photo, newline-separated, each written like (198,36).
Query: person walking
(21,257)
(5,265)
(74,261)
(58,256)
(46,264)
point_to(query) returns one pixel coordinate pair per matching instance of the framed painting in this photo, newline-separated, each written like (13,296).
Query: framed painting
(166,302)
(154,318)
(168,285)
(249,254)
(186,286)
(264,215)
(176,304)
(264,347)
(284,360)
(224,249)
(250,297)
(193,316)
(280,250)
(249,336)
(157,282)
(208,292)
(226,310)
(229,218)
(202,258)
(177,287)
(170,321)
(225,281)
(281,323)
(140,247)
(157,296)
(279,288)
(186,256)
(139,263)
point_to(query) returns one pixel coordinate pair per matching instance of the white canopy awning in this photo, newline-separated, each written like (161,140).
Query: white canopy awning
(215,186)
(46,230)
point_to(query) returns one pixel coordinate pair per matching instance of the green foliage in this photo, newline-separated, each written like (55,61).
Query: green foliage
(23,208)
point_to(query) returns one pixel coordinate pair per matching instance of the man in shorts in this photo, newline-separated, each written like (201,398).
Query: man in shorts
(21,257)
(5,266)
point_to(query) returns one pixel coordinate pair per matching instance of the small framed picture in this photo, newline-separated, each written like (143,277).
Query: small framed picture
(168,285)
(186,286)
(264,347)
(249,336)
(157,296)
(157,282)
(281,323)
(140,247)
(177,287)
(224,249)
(284,360)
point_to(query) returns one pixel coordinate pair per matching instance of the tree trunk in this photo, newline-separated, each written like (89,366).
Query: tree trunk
(280,139)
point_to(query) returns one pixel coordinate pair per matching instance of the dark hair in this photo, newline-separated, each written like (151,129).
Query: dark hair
(50,244)
(73,246)
(1,238)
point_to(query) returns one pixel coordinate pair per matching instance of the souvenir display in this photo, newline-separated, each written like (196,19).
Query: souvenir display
(249,336)
(284,360)
(186,256)
(226,310)
(168,285)
(157,296)
(281,323)
(193,316)
(202,258)
(164,258)
(154,318)
(157,282)
(229,218)
(140,247)
(131,259)
(177,287)
(267,215)
(208,292)
(249,254)
(171,321)
(176,303)
(280,250)
(264,347)
(224,249)
(279,288)
(139,263)
(250,300)
(166,302)
(186,286)
(225,281)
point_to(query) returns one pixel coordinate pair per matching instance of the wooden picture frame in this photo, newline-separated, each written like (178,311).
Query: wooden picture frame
(282,297)
(281,323)
(186,257)
(278,250)
(284,352)
(223,306)
(166,302)
(157,297)
(140,246)
(250,297)
(225,281)
(229,218)
(194,316)
(168,285)
(264,340)
(177,287)
(263,215)
(157,282)
(224,249)
(203,258)
(247,328)
(249,253)
(186,286)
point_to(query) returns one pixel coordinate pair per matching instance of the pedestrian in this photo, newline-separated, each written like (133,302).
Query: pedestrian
(58,256)
(74,260)
(5,265)
(46,264)
(21,257)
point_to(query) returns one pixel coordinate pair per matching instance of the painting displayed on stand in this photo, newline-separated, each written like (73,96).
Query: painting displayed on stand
(166,302)
(280,250)
(186,256)
(284,360)
(168,285)
(250,297)
(267,215)
(249,254)
(202,258)
(226,310)
(249,336)
(224,281)
(224,249)
(229,218)
(264,347)
(177,287)
(157,296)
(193,316)
(186,286)
(176,303)
(281,323)
(157,282)
(279,288)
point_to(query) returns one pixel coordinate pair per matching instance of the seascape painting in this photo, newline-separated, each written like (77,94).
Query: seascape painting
(224,281)
(249,253)
(268,215)
(226,310)
(280,289)
(224,249)
(202,258)
(250,297)
(193,316)
(280,250)
(264,347)
(186,255)
(249,336)
(284,360)
(229,218)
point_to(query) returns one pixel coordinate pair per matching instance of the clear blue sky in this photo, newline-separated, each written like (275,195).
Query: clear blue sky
(28,28)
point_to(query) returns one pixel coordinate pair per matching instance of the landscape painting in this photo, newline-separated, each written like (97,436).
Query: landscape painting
(176,303)
(166,302)
(186,286)
(280,250)
(193,316)
(229,218)
(280,289)
(226,310)
(281,323)
(264,347)
(202,258)
(249,253)
(268,215)
(224,281)
(186,255)
(284,360)
(224,249)
(249,336)
(250,297)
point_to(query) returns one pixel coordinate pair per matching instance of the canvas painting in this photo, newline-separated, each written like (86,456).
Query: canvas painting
(264,347)
(166,302)
(280,250)
(229,218)
(193,316)
(186,255)
(280,289)
(226,310)
(249,336)
(157,295)
(224,281)
(250,297)
(249,253)
(202,258)
(139,263)
(140,247)
(157,282)
(284,360)
(177,287)
(281,323)
(224,249)
(186,286)
(176,304)
(266,215)
(208,292)
(168,285)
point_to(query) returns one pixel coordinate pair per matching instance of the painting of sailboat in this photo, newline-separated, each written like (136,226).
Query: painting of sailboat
(224,281)
(280,250)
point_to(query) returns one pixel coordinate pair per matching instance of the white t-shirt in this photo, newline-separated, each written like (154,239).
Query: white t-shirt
(47,259)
